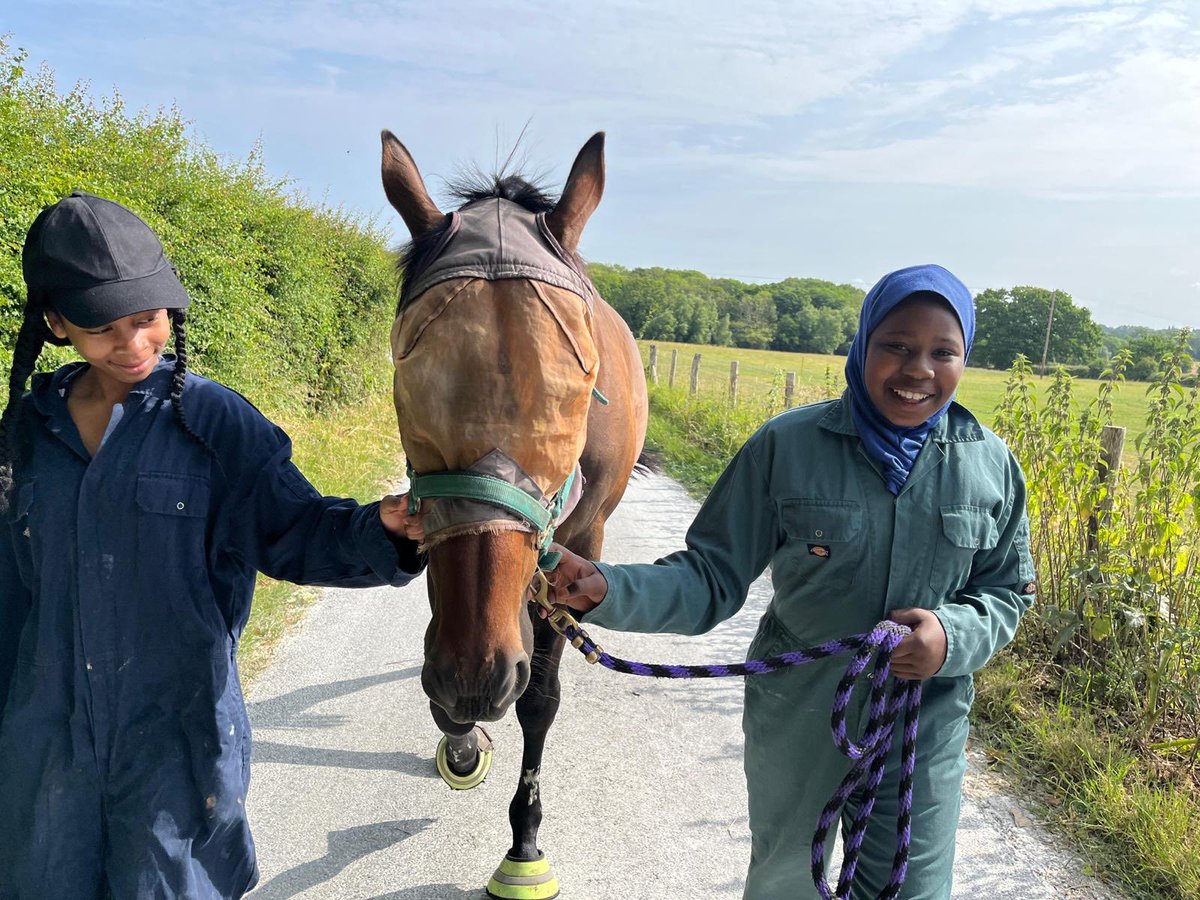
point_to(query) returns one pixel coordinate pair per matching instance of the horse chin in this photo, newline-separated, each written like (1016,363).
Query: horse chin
(468,706)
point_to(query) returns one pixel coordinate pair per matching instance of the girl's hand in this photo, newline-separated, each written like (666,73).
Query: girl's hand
(575,582)
(398,521)
(920,654)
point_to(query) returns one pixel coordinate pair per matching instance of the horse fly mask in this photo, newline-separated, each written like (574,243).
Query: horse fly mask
(495,367)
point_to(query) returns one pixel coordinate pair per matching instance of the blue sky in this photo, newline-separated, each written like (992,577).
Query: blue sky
(1044,142)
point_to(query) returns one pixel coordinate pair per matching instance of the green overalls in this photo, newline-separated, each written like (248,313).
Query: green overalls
(802,496)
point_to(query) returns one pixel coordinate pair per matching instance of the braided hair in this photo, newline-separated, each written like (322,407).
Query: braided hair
(32,337)
(179,375)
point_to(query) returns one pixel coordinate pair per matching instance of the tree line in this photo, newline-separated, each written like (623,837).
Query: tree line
(810,315)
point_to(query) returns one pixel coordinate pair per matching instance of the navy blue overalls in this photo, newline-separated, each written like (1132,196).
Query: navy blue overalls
(125,583)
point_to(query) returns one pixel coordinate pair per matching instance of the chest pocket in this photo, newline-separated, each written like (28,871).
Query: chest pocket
(824,541)
(172,513)
(965,530)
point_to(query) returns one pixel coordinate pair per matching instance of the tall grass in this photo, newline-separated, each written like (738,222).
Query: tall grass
(353,452)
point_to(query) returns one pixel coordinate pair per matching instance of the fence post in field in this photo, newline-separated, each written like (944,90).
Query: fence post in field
(789,390)
(733,382)
(1112,443)
(654,363)
(695,385)
(674,360)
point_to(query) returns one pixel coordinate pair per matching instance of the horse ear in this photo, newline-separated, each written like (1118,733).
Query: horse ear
(405,190)
(581,195)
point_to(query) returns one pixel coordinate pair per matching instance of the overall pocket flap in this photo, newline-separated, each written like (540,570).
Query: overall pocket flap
(820,521)
(969,527)
(173,495)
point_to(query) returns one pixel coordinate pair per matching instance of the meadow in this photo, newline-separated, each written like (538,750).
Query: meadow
(761,376)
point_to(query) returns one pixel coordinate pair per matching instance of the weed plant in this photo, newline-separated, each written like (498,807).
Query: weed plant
(1097,698)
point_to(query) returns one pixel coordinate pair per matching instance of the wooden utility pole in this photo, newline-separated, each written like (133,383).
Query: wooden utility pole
(1049,322)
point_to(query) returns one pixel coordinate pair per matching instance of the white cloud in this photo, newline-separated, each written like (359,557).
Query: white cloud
(1122,121)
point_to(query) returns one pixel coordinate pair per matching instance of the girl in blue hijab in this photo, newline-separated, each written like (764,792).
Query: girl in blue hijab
(895,445)
(890,502)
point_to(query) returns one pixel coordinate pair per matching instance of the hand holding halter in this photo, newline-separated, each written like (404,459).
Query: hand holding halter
(561,619)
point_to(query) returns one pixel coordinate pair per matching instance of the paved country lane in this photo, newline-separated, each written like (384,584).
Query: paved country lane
(642,783)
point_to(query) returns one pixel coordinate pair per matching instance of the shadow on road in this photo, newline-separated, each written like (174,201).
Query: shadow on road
(344,847)
(397,761)
(288,710)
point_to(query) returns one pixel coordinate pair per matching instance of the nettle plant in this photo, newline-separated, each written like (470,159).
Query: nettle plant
(1117,553)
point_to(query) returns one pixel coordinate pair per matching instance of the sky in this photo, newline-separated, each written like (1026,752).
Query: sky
(1053,143)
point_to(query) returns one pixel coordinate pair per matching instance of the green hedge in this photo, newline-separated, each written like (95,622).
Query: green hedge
(291,303)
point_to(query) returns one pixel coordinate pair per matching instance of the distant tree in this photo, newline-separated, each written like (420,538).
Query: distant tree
(722,335)
(753,321)
(813,316)
(1124,335)
(1013,321)
(799,314)
(1148,350)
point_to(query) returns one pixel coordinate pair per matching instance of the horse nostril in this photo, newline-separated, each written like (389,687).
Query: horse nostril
(439,685)
(522,671)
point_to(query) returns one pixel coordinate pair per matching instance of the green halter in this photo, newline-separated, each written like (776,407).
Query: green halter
(489,489)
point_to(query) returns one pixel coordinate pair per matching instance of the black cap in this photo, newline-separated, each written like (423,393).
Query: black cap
(93,261)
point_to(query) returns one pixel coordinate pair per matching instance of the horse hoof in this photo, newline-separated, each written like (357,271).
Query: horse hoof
(471,779)
(517,880)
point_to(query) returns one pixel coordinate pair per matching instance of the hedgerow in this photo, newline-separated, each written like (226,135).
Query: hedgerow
(290,302)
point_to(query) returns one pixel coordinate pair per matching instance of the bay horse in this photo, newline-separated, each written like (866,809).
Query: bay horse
(521,403)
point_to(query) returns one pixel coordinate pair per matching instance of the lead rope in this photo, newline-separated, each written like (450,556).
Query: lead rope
(869,755)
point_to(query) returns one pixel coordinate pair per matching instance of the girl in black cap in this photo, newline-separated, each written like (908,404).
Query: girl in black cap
(133,534)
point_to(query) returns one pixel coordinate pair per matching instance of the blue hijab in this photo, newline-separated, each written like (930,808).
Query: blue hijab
(896,448)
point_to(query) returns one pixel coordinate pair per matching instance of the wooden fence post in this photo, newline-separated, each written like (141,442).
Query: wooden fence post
(733,367)
(789,390)
(695,385)
(1112,443)
(674,360)
(654,363)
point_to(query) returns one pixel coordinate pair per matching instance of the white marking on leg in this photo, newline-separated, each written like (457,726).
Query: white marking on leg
(530,780)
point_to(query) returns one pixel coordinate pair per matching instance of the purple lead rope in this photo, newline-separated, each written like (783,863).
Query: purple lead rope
(869,754)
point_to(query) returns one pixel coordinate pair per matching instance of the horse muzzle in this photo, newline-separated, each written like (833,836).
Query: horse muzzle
(481,695)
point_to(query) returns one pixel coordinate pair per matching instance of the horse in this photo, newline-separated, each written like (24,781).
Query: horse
(521,403)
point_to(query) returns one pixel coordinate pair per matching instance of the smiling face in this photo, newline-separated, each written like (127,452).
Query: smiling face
(915,360)
(122,352)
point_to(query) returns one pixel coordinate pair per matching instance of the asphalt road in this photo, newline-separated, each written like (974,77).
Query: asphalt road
(642,783)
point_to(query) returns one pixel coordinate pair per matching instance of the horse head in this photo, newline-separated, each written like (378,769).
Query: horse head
(496,361)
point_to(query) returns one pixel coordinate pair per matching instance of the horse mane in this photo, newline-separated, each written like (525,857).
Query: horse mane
(472,186)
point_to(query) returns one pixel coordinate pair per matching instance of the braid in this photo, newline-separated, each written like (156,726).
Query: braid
(30,340)
(179,327)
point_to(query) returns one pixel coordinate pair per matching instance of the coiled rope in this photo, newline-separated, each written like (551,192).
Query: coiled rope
(869,754)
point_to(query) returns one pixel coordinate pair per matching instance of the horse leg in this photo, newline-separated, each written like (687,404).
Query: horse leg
(464,754)
(525,872)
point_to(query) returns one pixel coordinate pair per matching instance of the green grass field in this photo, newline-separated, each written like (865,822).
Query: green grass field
(352,452)
(761,376)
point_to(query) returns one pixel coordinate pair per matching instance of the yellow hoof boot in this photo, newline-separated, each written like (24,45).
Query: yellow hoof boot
(516,880)
(471,779)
